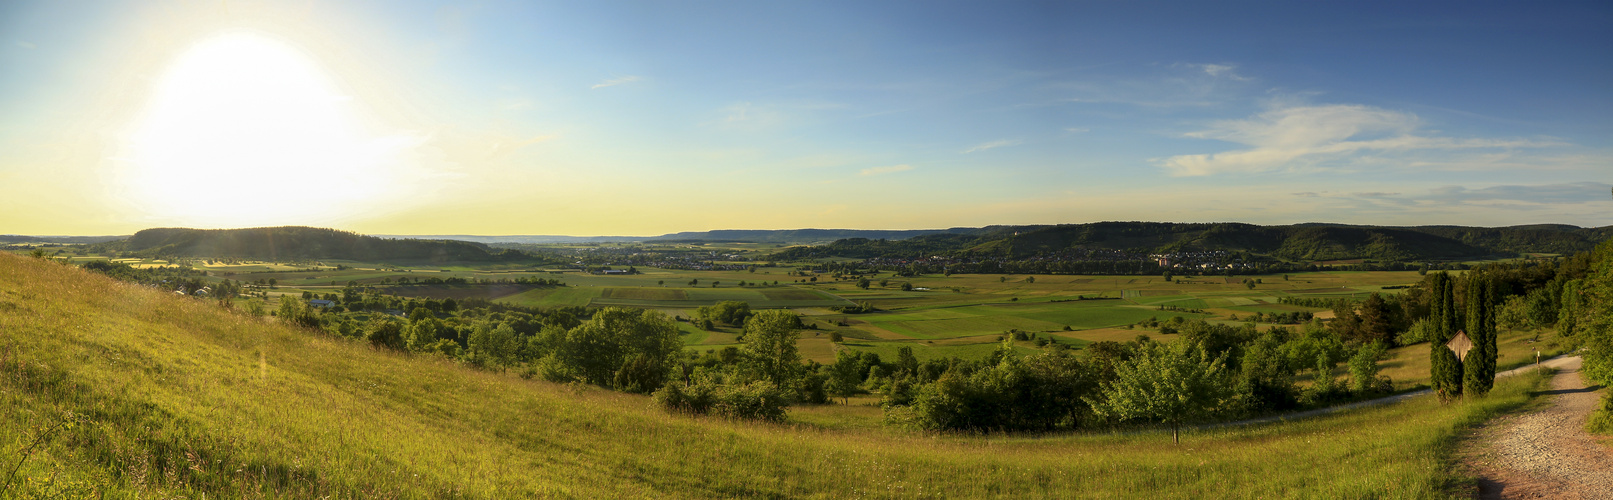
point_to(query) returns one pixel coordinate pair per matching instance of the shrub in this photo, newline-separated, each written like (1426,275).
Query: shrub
(759,400)
(1601,421)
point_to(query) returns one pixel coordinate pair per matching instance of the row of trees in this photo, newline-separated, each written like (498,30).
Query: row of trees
(1213,372)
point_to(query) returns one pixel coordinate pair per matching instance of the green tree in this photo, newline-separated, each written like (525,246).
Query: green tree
(862,283)
(1478,369)
(843,374)
(1377,321)
(1514,313)
(497,345)
(1594,318)
(1364,369)
(1167,275)
(729,312)
(1445,369)
(421,333)
(383,331)
(1174,384)
(907,287)
(770,345)
(614,338)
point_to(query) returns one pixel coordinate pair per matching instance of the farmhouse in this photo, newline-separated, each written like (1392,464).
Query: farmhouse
(322,303)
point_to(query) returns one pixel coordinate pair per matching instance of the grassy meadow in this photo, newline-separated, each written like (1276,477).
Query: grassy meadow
(113,390)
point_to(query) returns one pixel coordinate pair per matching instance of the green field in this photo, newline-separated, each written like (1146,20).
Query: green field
(953,307)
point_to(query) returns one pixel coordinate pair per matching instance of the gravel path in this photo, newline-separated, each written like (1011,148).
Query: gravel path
(1547,453)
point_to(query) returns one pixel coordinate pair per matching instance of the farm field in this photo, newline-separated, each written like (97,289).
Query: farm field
(245,407)
(958,315)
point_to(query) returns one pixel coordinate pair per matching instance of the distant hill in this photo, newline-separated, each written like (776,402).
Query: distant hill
(301,243)
(783,236)
(1300,242)
(14,238)
(536,239)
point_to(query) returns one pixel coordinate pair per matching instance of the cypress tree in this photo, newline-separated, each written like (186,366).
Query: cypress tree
(1479,368)
(1445,370)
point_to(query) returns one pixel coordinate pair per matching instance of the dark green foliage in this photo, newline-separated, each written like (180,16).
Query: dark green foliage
(383,331)
(1297,242)
(1445,370)
(1478,368)
(759,400)
(628,349)
(728,312)
(1040,392)
(1594,318)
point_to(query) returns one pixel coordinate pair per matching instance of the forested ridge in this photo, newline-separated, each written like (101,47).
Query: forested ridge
(1300,242)
(300,243)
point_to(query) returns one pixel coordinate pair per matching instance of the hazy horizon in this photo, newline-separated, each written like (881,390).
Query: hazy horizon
(642,119)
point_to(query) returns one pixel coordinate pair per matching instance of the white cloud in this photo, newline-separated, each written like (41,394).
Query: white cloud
(1077,130)
(26,45)
(616,81)
(885,170)
(1298,136)
(991,145)
(1222,71)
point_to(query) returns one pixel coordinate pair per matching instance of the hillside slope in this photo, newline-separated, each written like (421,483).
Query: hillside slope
(1300,242)
(173,397)
(302,243)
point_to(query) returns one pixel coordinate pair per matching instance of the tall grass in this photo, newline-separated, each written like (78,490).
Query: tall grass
(170,397)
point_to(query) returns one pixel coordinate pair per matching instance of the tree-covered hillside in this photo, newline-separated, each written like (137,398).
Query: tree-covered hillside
(301,243)
(1303,242)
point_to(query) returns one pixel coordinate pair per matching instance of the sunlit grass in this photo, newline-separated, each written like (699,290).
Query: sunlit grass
(174,402)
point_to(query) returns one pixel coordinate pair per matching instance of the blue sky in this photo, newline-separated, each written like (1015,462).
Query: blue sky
(649,118)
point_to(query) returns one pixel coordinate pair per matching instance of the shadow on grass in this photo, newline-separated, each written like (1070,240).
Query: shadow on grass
(1593,388)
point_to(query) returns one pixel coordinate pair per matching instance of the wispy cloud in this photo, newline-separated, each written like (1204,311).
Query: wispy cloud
(885,170)
(1296,136)
(26,45)
(1566,193)
(617,81)
(1077,130)
(991,145)
(1222,71)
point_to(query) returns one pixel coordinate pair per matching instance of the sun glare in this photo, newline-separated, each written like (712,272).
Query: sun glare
(242,129)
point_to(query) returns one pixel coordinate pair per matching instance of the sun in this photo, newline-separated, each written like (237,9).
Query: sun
(243,129)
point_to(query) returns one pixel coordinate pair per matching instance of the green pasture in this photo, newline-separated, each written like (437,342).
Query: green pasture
(924,351)
(554,297)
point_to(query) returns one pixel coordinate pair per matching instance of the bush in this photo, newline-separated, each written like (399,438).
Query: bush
(675,397)
(754,401)
(1601,421)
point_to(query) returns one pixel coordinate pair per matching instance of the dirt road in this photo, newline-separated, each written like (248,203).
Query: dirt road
(1545,453)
